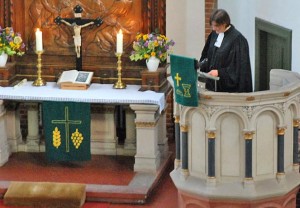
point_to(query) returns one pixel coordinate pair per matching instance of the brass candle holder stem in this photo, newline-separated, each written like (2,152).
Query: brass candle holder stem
(119,84)
(39,81)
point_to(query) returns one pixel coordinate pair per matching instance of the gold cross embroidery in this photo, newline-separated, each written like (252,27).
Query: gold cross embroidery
(178,78)
(67,122)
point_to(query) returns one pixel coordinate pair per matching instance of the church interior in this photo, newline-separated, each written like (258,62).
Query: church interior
(121,139)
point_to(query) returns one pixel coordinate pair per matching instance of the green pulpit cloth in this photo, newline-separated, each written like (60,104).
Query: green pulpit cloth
(184,76)
(67,131)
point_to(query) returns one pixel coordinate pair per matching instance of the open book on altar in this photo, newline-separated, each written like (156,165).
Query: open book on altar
(75,80)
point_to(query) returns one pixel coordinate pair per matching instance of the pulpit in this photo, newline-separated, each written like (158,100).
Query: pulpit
(239,149)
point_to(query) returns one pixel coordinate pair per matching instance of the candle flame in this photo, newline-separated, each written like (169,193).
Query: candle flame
(120,31)
(37,29)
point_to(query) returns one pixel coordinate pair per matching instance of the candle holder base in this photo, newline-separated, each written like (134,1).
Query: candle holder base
(39,82)
(119,85)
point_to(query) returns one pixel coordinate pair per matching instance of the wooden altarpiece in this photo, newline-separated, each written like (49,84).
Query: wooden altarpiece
(98,43)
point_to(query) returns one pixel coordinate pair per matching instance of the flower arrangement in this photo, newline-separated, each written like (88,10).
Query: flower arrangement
(153,44)
(11,43)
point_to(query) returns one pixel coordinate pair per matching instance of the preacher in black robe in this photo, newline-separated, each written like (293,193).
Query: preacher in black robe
(231,60)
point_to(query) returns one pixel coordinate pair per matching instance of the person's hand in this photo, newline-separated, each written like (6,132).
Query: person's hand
(214,73)
(196,64)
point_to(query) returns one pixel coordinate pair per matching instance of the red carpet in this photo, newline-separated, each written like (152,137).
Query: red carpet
(100,170)
(86,205)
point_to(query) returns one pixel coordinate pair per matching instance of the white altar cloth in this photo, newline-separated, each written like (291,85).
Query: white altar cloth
(96,93)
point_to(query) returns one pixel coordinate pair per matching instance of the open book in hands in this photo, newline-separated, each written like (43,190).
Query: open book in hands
(75,80)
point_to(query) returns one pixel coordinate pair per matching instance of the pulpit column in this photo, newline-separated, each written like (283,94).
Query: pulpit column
(177,161)
(295,145)
(4,147)
(280,152)
(211,169)
(147,156)
(248,136)
(184,151)
(33,137)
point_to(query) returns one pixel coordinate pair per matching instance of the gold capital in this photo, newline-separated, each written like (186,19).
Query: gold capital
(184,128)
(177,119)
(211,134)
(296,122)
(281,131)
(248,135)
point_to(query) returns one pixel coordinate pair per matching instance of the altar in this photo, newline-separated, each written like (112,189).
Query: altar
(145,121)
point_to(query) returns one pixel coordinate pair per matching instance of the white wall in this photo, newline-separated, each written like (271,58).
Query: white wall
(283,13)
(185,25)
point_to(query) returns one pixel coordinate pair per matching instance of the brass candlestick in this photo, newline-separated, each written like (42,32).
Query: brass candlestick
(39,81)
(119,84)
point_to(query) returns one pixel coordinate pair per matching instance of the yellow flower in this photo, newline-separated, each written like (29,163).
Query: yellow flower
(153,53)
(145,37)
(146,56)
(138,37)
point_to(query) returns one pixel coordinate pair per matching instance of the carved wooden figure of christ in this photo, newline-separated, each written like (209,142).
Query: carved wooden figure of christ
(78,23)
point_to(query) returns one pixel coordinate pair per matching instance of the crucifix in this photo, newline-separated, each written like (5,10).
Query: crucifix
(78,23)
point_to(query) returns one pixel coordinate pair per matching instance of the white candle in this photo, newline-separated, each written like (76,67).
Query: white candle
(38,40)
(120,42)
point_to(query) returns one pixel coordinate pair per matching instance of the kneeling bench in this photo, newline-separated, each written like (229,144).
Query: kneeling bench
(45,194)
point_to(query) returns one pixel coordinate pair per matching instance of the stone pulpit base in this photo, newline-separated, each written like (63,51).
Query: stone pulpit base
(240,149)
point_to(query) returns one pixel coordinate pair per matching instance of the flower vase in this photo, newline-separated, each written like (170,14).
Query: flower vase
(152,63)
(3,59)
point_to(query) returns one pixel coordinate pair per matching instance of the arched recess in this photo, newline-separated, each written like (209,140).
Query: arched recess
(230,147)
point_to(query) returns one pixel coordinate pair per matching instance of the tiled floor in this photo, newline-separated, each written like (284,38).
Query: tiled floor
(106,170)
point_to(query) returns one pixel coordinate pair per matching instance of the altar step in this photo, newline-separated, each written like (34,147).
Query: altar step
(137,191)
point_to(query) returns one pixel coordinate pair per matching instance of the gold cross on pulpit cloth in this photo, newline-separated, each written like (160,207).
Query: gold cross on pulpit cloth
(177,78)
(67,130)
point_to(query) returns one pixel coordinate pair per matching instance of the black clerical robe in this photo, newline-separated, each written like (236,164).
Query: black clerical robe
(231,60)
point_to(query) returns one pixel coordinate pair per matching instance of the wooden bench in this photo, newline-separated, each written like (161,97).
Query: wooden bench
(45,194)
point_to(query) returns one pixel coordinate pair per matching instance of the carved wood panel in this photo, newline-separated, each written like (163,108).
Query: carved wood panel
(98,43)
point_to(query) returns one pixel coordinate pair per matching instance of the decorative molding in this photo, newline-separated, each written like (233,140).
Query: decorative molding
(145,124)
(250,98)
(248,110)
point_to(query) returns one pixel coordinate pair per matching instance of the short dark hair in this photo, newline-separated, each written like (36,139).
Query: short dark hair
(220,16)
